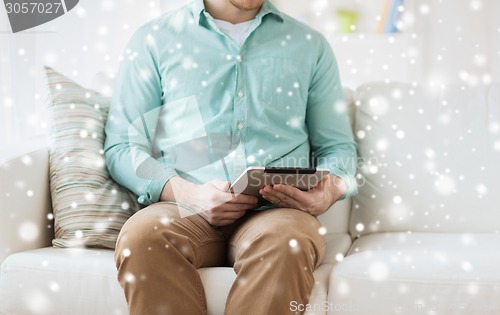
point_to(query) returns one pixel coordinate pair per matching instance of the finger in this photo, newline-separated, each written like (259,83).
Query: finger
(273,199)
(278,194)
(244,199)
(206,217)
(235,207)
(268,191)
(234,214)
(221,214)
(291,200)
(229,217)
(226,197)
(224,222)
(226,216)
(325,181)
(284,203)
(220,185)
(292,192)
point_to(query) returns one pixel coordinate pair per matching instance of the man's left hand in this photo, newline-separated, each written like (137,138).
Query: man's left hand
(314,201)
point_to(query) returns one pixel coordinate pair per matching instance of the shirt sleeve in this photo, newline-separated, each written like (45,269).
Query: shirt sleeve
(330,132)
(132,121)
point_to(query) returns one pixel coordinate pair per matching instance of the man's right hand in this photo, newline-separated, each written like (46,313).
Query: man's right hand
(211,200)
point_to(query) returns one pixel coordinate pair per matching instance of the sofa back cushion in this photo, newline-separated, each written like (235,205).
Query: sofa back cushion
(89,207)
(431,159)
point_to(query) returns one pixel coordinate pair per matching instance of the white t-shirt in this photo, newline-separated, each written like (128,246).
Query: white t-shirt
(238,32)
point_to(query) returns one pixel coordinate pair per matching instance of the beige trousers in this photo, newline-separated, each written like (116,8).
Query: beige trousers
(273,253)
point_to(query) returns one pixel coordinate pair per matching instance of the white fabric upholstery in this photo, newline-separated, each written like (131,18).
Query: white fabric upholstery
(434,159)
(24,202)
(60,281)
(216,282)
(336,219)
(418,273)
(337,246)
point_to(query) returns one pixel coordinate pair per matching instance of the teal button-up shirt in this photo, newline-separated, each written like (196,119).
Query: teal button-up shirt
(189,101)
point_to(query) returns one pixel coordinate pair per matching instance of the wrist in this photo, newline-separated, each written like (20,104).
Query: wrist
(174,188)
(337,187)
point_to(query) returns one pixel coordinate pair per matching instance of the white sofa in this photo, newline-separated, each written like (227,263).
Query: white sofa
(422,236)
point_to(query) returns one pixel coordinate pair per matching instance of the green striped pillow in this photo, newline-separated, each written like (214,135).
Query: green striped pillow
(89,207)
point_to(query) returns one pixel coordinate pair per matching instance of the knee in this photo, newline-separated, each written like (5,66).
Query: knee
(141,233)
(291,235)
(295,227)
(137,230)
(295,241)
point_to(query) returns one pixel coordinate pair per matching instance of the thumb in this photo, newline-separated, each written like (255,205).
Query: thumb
(323,182)
(221,185)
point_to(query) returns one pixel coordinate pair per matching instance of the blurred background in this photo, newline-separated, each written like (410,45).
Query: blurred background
(431,42)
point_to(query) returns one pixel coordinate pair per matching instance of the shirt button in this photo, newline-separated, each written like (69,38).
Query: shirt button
(240,93)
(240,125)
(238,58)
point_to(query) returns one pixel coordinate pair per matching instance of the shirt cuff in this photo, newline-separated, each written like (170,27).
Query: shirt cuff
(155,187)
(349,180)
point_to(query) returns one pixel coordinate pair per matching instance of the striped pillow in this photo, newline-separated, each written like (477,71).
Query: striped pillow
(89,207)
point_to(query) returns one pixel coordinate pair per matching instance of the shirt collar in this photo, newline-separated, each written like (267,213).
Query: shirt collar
(198,8)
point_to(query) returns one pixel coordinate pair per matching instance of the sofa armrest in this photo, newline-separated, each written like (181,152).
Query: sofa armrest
(25,201)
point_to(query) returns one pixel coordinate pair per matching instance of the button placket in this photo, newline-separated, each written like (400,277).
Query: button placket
(240,99)
(239,115)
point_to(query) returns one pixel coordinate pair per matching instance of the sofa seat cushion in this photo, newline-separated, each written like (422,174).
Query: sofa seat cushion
(61,281)
(418,273)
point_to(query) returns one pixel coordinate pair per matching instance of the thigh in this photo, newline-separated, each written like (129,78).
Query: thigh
(193,237)
(279,225)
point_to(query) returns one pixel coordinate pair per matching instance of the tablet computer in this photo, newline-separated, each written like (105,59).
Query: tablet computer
(254,178)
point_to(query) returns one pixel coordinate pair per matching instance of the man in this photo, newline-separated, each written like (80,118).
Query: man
(202,93)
